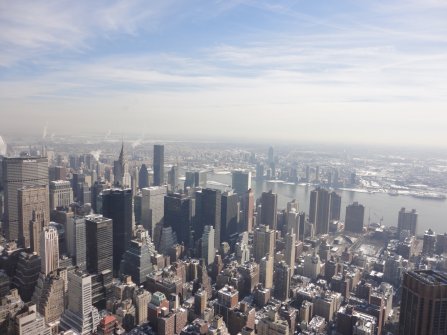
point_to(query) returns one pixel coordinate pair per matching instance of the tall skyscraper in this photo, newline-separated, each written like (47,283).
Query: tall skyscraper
(33,214)
(173,178)
(241,181)
(290,250)
(159,165)
(355,214)
(117,205)
(319,210)
(80,315)
(263,242)
(407,221)
(75,237)
(247,210)
(17,173)
(208,213)
(229,215)
(208,251)
(99,243)
(136,261)
(423,308)
(266,271)
(61,194)
(143,177)
(269,203)
(335,207)
(282,281)
(179,213)
(120,169)
(49,296)
(152,207)
(429,246)
(49,248)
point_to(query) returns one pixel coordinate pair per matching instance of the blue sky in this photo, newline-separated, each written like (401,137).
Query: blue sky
(344,71)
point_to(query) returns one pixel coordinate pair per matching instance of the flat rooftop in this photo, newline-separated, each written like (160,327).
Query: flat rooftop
(430,277)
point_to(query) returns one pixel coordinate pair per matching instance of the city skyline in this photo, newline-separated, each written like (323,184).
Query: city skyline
(289,71)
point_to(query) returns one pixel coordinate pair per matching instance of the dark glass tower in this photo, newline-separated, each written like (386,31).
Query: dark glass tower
(143,177)
(179,213)
(269,205)
(99,241)
(159,163)
(208,212)
(355,214)
(229,215)
(117,205)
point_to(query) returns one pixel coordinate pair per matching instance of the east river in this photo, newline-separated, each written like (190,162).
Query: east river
(432,213)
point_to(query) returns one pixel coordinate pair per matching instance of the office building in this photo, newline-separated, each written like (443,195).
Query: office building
(30,322)
(355,214)
(121,173)
(76,241)
(319,210)
(290,250)
(17,173)
(173,178)
(335,207)
(423,308)
(143,177)
(33,214)
(241,181)
(136,261)
(263,242)
(282,277)
(229,215)
(61,194)
(27,273)
(117,205)
(99,243)
(266,271)
(247,211)
(407,220)
(179,213)
(208,213)
(159,165)
(152,207)
(49,249)
(208,247)
(269,203)
(49,296)
(80,315)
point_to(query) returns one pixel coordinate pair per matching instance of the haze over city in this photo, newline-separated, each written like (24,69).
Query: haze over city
(321,71)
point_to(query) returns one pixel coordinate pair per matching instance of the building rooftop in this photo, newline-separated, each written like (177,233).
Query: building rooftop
(429,277)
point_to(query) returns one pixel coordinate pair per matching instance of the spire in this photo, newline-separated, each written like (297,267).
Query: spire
(121,158)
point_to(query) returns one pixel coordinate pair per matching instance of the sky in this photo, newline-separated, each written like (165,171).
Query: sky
(339,71)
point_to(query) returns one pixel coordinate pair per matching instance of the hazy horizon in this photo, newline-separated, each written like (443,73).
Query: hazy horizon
(372,72)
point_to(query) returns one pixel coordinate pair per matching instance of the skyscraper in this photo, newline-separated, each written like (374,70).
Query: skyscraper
(75,237)
(229,215)
(266,271)
(159,164)
(208,213)
(247,210)
(179,213)
(33,214)
(407,221)
(99,242)
(17,173)
(335,207)
(117,205)
(429,246)
(269,203)
(61,194)
(290,250)
(80,315)
(49,248)
(143,177)
(423,308)
(241,181)
(152,207)
(119,169)
(173,178)
(208,250)
(263,242)
(355,214)
(282,281)
(320,201)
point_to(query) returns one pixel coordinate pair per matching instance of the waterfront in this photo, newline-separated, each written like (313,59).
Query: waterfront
(377,205)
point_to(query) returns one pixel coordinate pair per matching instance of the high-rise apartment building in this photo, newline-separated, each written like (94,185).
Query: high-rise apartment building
(99,243)
(407,220)
(117,205)
(355,214)
(423,308)
(17,173)
(159,165)
(269,203)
